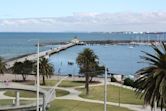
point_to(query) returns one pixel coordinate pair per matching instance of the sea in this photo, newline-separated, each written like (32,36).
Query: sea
(119,59)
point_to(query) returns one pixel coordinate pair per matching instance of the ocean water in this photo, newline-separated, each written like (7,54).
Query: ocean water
(120,59)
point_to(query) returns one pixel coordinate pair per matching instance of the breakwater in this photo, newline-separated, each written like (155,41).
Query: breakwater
(111,42)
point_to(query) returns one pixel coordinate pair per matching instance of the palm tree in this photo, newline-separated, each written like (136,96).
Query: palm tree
(152,81)
(2,66)
(87,62)
(46,69)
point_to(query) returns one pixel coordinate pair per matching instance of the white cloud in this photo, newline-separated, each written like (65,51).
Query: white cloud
(87,22)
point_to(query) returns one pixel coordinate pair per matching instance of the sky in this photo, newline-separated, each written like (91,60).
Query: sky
(82,15)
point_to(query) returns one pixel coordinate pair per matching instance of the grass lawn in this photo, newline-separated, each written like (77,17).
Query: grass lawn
(4,102)
(70,105)
(60,92)
(126,95)
(51,82)
(25,94)
(67,83)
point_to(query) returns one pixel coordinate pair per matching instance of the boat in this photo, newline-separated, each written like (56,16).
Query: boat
(70,63)
(131,47)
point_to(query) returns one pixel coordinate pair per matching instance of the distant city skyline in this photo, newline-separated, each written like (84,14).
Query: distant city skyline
(82,15)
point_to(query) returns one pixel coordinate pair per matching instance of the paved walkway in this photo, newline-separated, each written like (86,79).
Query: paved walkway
(74,95)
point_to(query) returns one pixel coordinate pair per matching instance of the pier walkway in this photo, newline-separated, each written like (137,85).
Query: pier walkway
(46,53)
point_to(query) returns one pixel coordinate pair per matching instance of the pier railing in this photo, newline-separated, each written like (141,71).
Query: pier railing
(31,57)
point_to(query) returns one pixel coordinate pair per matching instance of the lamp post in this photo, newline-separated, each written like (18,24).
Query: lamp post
(105,85)
(38,81)
(105,89)
(37,76)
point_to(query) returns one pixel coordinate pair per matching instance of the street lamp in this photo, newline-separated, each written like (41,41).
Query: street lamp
(121,86)
(38,80)
(37,77)
(105,89)
(105,84)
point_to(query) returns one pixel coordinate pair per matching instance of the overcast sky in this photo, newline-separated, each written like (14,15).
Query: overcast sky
(82,15)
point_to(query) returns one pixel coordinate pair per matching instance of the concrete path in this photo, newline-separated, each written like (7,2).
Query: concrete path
(74,95)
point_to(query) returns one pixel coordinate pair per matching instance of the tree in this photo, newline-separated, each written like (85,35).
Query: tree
(129,82)
(152,81)
(88,65)
(27,68)
(23,68)
(98,70)
(113,79)
(17,68)
(46,69)
(2,66)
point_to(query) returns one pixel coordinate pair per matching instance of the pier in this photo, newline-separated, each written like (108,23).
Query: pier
(47,53)
(74,42)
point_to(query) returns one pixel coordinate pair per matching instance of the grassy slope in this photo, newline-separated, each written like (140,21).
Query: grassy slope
(68,83)
(25,94)
(60,93)
(4,102)
(48,82)
(126,96)
(69,105)
(31,95)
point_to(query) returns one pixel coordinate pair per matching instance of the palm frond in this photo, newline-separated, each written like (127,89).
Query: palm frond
(151,85)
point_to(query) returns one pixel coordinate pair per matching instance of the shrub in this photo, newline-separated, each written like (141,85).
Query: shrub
(129,82)
(113,79)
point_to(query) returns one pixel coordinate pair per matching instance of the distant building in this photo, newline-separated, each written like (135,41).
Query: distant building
(75,40)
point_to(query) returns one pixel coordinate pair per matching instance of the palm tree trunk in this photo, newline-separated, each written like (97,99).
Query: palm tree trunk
(87,83)
(91,78)
(44,82)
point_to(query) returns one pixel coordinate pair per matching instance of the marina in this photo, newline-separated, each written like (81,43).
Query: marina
(106,49)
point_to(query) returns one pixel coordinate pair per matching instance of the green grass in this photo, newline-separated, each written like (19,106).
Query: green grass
(25,94)
(51,82)
(24,102)
(70,105)
(60,93)
(67,83)
(4,102)
(127,96)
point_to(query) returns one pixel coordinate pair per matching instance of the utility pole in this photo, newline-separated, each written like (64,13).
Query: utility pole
(38,80)
(121,86)
(105,90)
(119,94)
